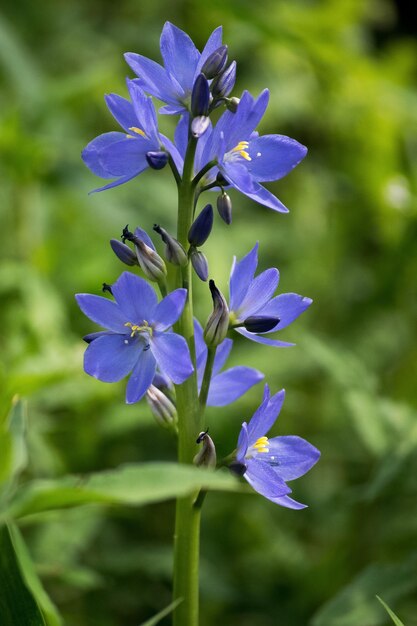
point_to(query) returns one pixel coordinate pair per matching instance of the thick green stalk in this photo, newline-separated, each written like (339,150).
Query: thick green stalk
(187,519)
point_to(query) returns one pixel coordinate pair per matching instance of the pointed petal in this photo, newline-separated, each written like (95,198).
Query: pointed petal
(122,110)
(222,353)
(116,183)
(241,276)
(230,385)
(264,480)
(143,236)
(144,111)
(213,42)
(102,311)
(288,502)
(153,78)
(141,377)
(291,456)
(262,339)
(174,152)
(242,443)
(181,135)
(265,197)
(274,156)
(265,417)
(180,55)
(111,357)
(287,307)
(126,157)
(238,175)
(259,293)
(169,309)
(172,355)
(90,154)
(91,336)
(135,297)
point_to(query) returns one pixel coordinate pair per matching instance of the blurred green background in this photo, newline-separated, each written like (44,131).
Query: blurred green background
(343,81)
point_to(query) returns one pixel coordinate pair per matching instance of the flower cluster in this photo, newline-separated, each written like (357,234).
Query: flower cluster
(155,341)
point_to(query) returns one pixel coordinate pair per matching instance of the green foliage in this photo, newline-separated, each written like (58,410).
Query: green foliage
(392,615)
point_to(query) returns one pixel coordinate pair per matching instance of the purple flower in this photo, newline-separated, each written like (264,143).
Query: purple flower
(137,338)
(174,82)
(125,155)
(268,464)
(251,300)
(227,386)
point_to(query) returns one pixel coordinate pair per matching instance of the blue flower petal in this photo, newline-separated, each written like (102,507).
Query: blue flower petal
(152,77)
(180,55)
(126,157)
(262,339)
(181,135)
(135,297)
(294,456)
(200,350)
(241,276)
(122,111)
(259,292)
(169,309)
(230,385)
(265,416)
(213,42)
(222,353)
(264,480)
(102,311)
(116,183)
(143,236)
(174,152)
(265,197)
(288,502)
(90,154)
(144,111)
(242,443)
(238,176)
(172,355)
(141,377)
(274,156)
(111,357)
(287,307)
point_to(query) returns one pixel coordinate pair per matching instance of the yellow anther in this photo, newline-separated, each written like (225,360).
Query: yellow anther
(261,445)
(138,131)
(135,328)
(241,148)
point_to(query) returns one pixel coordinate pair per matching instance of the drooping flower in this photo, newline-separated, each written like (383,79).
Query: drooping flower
(226,386)
(174,82)
(137,339)
(252,303)
(268,464)
(241,157)
(124,155)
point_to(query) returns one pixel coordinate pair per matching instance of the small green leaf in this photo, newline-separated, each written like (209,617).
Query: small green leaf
(392,615)
(134,484)
(157,618)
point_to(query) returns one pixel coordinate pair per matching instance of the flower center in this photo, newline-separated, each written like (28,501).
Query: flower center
(239,151)
(138,131)
(137,329)
(261,445)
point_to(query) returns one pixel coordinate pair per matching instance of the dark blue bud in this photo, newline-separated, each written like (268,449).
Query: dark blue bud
(224,207)
(199,126)
(201,227)
(200,97)
(200,264)
(260,323)
(215,63)
(223,84)
(123,252)
(157,160)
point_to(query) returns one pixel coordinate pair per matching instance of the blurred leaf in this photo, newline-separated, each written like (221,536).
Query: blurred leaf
(355,604)
(17,605)
(128,485)
(13,445)
(157,618)
(394,618)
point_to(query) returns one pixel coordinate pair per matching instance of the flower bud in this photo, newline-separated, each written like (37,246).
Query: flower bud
(151,263)
(224,207)
(200,96)
(218,322)
(199,263)
(201,227)
(260,323)
(232,104)
(157,159)
(199,125)
(206,457)
(215,63)
(123,252)
(162,408)
(223,84)
(174,252)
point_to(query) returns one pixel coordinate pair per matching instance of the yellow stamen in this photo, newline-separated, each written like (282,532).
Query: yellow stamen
(261,445)
(137,329)
(138,131)
(241,149)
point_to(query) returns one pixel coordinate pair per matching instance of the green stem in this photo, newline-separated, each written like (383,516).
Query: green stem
(187,518)
(211,353)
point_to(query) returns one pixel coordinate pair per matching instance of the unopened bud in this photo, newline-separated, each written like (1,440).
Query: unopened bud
(206,457)
(224,207)
(199,125)
(162,408)
(215,63)
(200,96)
(151,263)
(218,322)
(223,84)
(232,104)
(260,324)
(174,252)
(201,227)
(157,159)
(123,252)
(199,263)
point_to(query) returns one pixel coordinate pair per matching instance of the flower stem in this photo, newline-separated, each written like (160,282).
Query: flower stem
(187,518)
(211,353)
